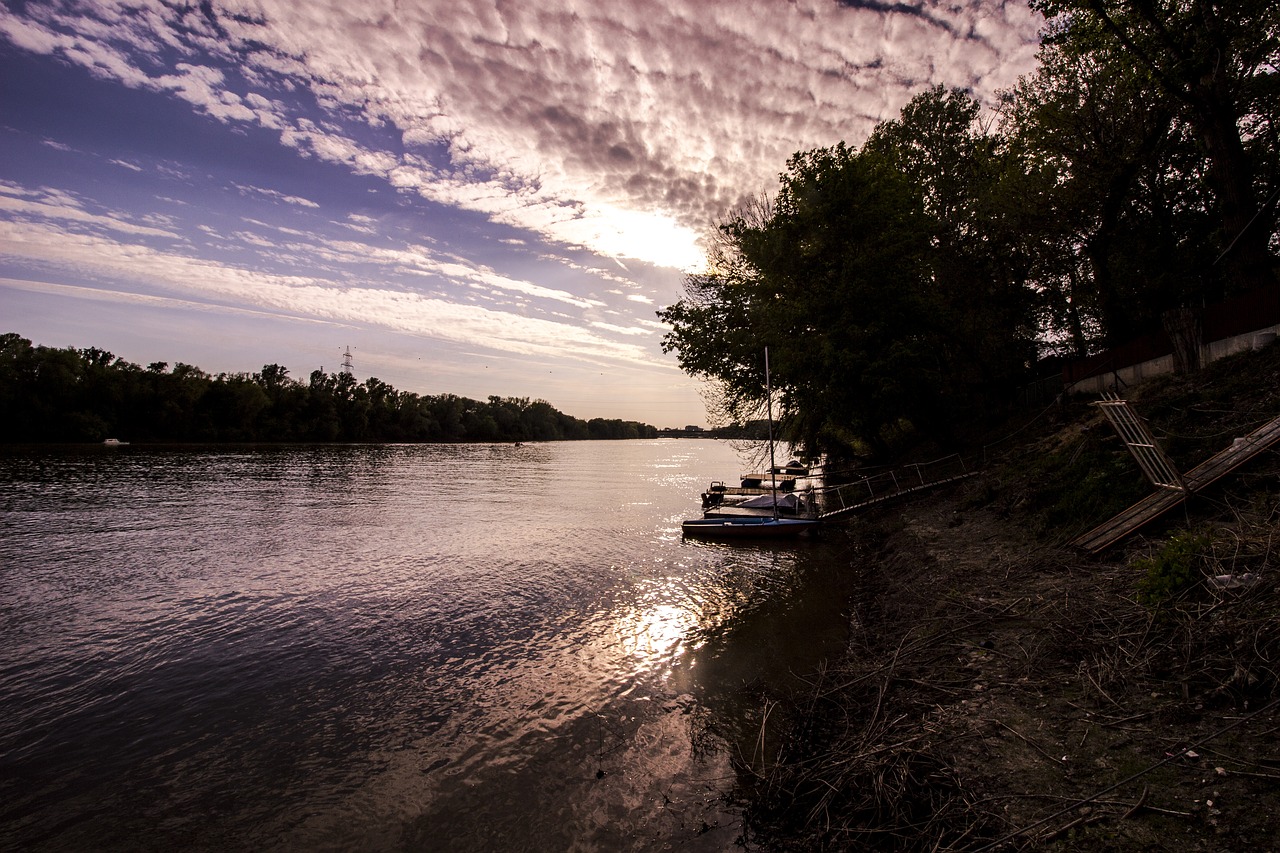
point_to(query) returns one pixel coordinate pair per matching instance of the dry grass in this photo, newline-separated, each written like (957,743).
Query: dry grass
(994,682)
(1001,691)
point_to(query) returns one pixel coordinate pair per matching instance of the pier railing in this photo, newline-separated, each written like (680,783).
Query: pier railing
(836,500)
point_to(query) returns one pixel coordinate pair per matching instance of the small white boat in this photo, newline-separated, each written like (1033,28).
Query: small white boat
(114,442)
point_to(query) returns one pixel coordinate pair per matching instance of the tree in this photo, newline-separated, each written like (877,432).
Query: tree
(832,280)
(1117,206)
(17,376)
(969,182)
(89,394)
(891,285)
(1216,67)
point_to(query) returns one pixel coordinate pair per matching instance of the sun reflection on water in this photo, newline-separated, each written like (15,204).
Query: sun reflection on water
(656,633)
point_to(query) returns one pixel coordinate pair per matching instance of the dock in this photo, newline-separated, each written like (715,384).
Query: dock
(834,502)
(863,491)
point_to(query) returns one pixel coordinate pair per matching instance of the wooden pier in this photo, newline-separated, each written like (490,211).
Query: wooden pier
(1157,504)
(838,501)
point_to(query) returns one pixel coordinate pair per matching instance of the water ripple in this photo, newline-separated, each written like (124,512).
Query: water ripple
(329,646)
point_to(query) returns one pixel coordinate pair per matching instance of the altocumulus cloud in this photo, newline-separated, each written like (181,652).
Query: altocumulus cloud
(621,126)
(521,180)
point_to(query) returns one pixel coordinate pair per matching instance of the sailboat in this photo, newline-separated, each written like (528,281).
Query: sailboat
(753,527)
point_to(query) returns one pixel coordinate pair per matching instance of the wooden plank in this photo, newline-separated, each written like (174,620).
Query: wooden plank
(1153,506)
(1121,525)
(1224,462)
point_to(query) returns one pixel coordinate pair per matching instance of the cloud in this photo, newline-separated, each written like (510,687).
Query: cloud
(620,330)
(253,239)
(92,258)
(125,297)
(51,204)
(624,127)
(276,194)
(62,210)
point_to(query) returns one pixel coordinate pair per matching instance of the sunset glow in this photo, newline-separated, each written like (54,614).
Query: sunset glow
(468,185)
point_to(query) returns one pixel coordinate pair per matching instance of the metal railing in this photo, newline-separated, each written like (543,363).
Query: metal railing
(846,497)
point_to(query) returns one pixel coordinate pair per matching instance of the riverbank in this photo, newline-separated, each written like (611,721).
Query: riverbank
(1002,690)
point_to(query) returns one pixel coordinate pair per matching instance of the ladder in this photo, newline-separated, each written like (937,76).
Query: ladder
(1133,430)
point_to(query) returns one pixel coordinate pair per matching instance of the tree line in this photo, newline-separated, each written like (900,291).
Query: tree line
(908,287)
(73,395)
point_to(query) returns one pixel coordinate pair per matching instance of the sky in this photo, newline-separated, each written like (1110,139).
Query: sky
(477,197)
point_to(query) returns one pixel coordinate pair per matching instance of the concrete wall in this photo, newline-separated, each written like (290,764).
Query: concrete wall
(1137,373)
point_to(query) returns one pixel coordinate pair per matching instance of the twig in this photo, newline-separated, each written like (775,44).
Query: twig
(1031,743)
(1141,799)
(1123,720)
(1104,693)
(1252,775)
(1173,757)
(1082,820)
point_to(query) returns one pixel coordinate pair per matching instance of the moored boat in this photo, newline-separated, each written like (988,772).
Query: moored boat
(746,527)
(790,505)
(738,522)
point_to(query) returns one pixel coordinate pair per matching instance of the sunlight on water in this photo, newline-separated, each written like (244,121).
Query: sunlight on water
(651,636)
(461,647)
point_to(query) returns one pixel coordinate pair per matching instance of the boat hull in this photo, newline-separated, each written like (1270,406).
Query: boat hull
(746,527)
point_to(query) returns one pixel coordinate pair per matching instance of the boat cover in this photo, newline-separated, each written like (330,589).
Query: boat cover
(791,501)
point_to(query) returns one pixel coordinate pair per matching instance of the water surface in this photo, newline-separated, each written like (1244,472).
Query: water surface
(444,647)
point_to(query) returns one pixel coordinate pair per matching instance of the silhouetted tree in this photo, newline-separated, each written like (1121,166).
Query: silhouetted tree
(88,394)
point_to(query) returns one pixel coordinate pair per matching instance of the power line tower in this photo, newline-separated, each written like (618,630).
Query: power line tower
(347,365)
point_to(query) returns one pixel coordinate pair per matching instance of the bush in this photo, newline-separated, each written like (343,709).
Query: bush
(1173,571)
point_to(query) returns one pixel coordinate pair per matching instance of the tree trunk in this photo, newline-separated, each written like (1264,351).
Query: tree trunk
(1182,325)
(1245,229)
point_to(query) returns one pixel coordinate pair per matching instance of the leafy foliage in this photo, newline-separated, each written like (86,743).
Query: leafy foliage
(1172,570)
(906,289)
(863,279)
(1213,71)
(88,394)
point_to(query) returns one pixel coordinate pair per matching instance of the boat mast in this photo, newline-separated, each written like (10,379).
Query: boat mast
(768,407)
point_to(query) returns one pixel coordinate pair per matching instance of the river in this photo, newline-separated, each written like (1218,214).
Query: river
(386,647)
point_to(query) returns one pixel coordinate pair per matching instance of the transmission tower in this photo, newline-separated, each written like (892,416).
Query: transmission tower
(347,366)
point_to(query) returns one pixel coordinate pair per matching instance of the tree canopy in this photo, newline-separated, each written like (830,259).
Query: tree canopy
(910,286)
(70,394)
